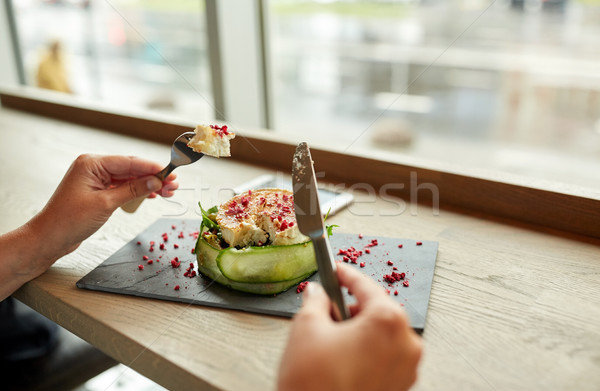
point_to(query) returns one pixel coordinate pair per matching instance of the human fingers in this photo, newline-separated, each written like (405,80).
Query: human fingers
(309,344)
(362,287)
(133,189)
(316,306)
(168,189)
(120,180)
(123,167)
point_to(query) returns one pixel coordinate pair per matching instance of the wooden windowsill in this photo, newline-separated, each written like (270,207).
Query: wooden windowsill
(543,203)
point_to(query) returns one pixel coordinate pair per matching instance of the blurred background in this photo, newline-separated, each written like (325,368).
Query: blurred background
(511,86)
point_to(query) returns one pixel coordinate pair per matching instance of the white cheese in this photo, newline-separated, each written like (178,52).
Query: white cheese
(212,140)
(260,217)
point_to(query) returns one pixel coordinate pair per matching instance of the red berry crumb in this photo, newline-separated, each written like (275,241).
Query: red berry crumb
(139,243)
(362,264)
(400,245)
(150,262)
(405,283)
(176,288)
(360,236)
(301,286)
(175,245)
(394,277)
(190,272)
(396,293)
(350,254)
(419,243)
(141,267)
(390,263)
(145,258)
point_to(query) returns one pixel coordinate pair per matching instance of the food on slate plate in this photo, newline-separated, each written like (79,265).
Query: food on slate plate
(212,140)
(252,243)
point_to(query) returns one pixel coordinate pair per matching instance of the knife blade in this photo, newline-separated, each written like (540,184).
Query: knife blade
(311,224)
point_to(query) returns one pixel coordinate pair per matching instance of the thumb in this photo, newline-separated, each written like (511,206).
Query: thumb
(136,188)
(315,301)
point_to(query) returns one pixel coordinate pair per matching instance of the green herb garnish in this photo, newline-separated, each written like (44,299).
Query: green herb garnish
(208,219)
(329,228)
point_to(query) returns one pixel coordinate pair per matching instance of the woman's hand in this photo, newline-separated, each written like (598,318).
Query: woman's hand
(374,350)
(91,190)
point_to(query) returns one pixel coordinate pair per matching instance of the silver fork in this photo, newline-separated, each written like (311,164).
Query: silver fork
(181,155)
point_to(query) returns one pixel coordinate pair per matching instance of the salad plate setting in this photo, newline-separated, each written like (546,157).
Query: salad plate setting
(257,251)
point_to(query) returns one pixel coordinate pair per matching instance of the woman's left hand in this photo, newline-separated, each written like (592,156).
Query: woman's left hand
(91,190)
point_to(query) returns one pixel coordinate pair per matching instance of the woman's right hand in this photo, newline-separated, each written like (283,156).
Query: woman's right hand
(374,350)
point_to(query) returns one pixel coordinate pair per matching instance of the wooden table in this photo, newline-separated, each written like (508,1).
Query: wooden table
(513,306)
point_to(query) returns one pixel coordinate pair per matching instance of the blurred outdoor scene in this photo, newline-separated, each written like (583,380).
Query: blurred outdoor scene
(127,54)
(511,86)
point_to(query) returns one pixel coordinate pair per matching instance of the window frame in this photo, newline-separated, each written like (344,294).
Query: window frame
(10,55)
(239,77)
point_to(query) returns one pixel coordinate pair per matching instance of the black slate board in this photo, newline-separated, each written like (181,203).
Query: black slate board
(120,273)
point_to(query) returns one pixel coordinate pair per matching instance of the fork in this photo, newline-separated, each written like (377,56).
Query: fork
(181,155)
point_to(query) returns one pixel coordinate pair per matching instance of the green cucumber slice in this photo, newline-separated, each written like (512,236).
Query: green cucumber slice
(268,263)
(207,265)
(207,256)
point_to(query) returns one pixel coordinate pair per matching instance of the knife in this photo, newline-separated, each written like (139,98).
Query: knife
(310,223)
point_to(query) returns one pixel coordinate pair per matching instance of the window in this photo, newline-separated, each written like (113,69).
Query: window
(509,86)
(132,54)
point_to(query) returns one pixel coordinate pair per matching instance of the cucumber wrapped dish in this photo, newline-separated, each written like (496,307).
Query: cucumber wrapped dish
(251,243)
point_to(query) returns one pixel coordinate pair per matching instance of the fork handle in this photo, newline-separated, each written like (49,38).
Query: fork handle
(164,173)
(133,205)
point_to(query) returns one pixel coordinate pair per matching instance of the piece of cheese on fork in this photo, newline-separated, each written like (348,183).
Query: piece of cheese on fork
(212,140)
